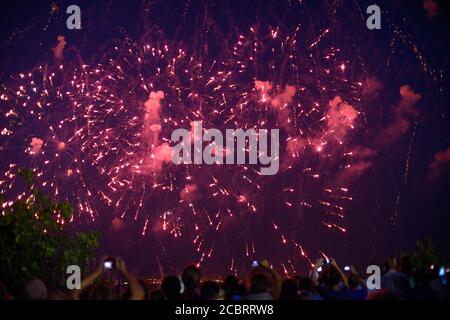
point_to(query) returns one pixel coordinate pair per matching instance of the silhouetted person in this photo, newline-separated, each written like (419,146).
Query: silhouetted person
(422,289)
(191,279)
(394,281)
(209,291)
(231,287)
(171,288)
(157,295)
(35,290)
(289,290)
(335,286)
(307,289)
(259,288)
(105,291)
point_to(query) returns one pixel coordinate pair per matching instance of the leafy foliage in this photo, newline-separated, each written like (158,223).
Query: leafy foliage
(35,241)
(424,255)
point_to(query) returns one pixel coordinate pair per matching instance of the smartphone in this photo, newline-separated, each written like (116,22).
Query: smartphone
(347,268)
(255,264)
(109,264)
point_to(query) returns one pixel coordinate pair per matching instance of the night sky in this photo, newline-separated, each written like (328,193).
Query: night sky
(363,118)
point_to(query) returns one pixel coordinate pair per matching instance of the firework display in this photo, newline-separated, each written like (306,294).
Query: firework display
(98,135)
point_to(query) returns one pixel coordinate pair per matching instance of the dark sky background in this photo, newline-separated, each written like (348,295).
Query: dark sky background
(29,30)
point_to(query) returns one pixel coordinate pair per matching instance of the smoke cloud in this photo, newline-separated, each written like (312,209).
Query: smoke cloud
(58,50)
(440,164)
(404,112)
(431,7)
(36,145)
(340,117)
(159,153)
(279,101)
(188,193)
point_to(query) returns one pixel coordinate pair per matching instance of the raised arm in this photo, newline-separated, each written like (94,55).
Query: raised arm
(87,281)
(344,278)
(314,272)
(276,288)
(137,292)
(361,280)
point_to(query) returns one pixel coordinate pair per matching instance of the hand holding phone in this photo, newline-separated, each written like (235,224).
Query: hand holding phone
(109,264)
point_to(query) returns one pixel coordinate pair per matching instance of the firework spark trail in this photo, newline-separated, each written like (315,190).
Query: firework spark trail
(99,135)
(406,169)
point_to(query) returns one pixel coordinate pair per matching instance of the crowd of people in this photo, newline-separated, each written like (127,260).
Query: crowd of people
(325,281)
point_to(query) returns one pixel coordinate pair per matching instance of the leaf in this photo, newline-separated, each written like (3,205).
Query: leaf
(65,209)
(45,255)
(27,174)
